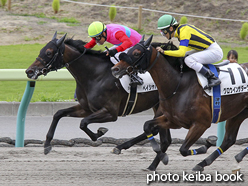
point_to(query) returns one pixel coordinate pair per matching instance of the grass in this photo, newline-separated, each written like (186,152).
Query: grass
(22,56)
(71,21)
(242,52)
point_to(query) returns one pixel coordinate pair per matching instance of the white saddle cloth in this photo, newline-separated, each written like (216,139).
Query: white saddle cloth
(233,80)
(148,85)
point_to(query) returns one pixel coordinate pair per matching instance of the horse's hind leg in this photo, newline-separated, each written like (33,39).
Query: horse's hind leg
(239,157)
(75,111)
(232,127)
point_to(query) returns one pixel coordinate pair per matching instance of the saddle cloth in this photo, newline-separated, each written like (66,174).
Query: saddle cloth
(148,85)
(233,80)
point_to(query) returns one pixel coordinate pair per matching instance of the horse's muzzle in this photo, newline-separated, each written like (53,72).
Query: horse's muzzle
(32,74)
(116,72)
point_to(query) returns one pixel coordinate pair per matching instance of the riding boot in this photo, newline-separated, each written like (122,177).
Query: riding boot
(135,79)
(212,79)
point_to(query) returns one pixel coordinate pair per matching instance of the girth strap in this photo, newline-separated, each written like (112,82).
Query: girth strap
(216,98)
(131,101)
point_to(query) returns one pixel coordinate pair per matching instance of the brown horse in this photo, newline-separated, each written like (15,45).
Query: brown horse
(101,97)
(183,101)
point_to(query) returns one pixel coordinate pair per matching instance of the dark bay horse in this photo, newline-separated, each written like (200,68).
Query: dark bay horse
(183,101)
(101,97)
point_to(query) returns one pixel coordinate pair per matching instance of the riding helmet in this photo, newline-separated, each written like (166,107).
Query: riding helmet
(96,28)
(166,21)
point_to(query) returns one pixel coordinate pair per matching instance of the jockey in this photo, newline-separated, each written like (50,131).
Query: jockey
(122,37)
(198,47)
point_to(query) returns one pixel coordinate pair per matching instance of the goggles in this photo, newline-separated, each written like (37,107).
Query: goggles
(98,38)
(163,32)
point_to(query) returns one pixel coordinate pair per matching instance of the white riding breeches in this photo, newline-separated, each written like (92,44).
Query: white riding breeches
(196,59)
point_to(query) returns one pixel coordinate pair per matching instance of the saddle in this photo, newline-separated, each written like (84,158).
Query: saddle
(233,78)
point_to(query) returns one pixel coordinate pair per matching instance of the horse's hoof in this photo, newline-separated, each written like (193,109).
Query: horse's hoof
(148,170)
(238,158)
(198,168)
(212,140)
(102,131)
(47,150)
(165,159)
(116,151)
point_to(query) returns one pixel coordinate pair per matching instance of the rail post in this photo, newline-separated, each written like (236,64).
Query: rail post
(220,132)
(21,114)
(140,17)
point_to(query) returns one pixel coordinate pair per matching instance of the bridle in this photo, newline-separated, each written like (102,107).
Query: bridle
(59,54)
(48,66)
(147,54)
(136,64)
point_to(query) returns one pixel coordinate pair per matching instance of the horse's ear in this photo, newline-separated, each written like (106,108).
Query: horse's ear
(148,41)
(61,40)
(54,36)
(142,39)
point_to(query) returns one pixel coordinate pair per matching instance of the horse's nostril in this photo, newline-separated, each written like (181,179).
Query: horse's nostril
(116,69)
(29,73)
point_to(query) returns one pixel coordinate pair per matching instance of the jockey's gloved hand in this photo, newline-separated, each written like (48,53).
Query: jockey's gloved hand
(112,52)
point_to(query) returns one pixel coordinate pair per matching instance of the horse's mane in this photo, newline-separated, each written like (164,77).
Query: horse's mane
(79,45)
(173,61)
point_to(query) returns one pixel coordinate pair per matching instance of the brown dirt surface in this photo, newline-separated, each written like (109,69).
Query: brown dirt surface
(94,166)
(34,21)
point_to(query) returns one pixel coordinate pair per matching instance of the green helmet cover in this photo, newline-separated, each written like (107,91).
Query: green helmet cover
(96,28)
(166,21)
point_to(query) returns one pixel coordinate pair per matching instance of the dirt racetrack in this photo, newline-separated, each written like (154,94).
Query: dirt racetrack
(94,166)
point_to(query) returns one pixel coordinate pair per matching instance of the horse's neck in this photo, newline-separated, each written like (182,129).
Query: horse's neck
(87,67)
(165,76)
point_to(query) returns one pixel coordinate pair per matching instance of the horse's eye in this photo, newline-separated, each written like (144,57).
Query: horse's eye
(49,53)
(136,54)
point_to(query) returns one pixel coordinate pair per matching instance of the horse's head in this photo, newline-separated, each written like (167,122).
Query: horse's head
(49,59)
(136,59)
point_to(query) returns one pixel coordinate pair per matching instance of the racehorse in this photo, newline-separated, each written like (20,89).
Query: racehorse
(183,101)
(101,97)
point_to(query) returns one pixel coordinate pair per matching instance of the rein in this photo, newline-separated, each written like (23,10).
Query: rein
(69,63)
(175,91)
(158,53)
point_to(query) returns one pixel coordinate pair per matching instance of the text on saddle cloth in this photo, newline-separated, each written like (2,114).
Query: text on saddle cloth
(148,85)
(233,78)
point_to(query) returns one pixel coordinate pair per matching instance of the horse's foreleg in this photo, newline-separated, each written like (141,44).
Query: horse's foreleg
(130,143)
(100,116)
(232,127)
(194,133)
(165,141)
(75,111)
(155,146)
